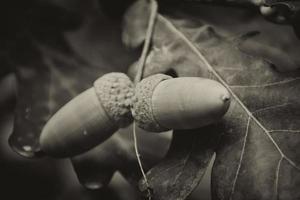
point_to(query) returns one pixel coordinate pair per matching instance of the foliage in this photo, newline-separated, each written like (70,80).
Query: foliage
(52,52)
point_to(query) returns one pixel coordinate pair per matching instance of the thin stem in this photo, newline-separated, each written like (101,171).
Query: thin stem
(142,60)
(138,78)
(140,162)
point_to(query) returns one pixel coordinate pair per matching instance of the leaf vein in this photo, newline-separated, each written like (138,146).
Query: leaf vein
(282,130)
(266,85)
(212,70)
(291,162)
(277,176)
(270,108)
(241,158)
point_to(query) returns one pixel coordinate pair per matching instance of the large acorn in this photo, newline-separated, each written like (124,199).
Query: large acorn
(90,118)
(162,103)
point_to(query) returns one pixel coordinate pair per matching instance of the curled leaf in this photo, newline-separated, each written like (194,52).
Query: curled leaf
(177,175)
(95,168)
(280,51)
(135,24)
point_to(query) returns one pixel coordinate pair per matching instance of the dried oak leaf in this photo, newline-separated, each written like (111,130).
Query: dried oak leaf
(95,168)
(135,22)
(256,157)
(276,43)
(181,170)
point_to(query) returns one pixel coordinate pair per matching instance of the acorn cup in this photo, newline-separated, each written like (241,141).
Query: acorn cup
(90,118)
(162,103)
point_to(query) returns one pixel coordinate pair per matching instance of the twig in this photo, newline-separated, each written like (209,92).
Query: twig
(140,162)
(142,59)
(138,78)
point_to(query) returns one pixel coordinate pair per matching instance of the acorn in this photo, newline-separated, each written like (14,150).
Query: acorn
(163,103)
(90,118)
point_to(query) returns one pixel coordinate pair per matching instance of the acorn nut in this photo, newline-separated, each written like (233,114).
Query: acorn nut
(162,103)
(90,118)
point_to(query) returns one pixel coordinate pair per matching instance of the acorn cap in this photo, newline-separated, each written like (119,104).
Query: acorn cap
(115,92)
(142,106)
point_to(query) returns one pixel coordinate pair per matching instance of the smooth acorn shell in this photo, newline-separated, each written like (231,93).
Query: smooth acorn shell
(180,103)
(78,126)
(90,118)
(188,103)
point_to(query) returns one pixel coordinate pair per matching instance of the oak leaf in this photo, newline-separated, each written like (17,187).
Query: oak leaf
(256,157)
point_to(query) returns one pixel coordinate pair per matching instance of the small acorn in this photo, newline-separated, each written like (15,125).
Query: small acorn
(162,103)
(90,118)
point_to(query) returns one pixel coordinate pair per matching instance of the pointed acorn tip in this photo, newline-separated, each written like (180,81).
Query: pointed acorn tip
(225,98)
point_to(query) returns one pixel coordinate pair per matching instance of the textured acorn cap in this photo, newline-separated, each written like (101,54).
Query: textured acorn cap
(115,92)
(142,105)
